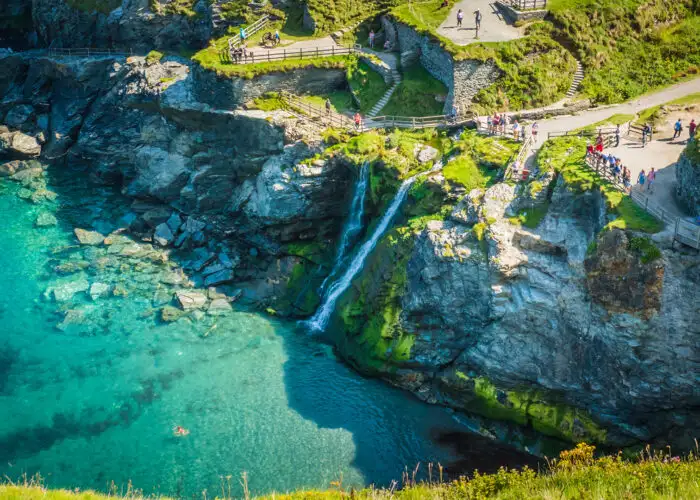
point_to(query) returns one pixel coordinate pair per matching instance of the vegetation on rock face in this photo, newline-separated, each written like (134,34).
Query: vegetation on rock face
(527,407)
(566,156)
(179,7)
(576,474)
(330,15)
(153,57)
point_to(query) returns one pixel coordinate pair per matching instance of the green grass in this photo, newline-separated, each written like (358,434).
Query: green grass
(330,15)
(415,95)
(425,16)
(652,115)
(629,47)
(175,7)
(465,172)
(102,6)
(611,121)
(366,84)
(531,217)
(341,101)
(211,58)
(491,152)
(577,474)
(566,156)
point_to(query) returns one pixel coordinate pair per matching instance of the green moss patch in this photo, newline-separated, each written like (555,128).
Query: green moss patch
(418,94)
(465,172)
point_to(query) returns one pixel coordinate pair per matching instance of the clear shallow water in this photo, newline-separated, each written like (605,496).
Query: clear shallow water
(90,390)
(96,402)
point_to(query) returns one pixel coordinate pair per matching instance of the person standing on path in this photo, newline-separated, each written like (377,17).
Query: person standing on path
(371,39)
(328,107)
(533,131)
(646,134)
(691,128)
(477,21)
(460,17)
(617,136)
(278,39)
(241,32)
(651,177)
(516,130)
(358,121)
(677,128)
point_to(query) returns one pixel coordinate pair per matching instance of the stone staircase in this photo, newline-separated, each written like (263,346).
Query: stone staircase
(578,77)
(396,80)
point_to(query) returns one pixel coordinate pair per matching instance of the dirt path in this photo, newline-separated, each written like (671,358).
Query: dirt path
(494,28)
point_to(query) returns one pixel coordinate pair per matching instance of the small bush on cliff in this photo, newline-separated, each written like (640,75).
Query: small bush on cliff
(154,57)
(645,248)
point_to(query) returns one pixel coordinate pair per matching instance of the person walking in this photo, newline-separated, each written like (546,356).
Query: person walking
(691,128)
(489,123)
(453,114)
(328,107)
(677,128)
(460,18)
(241,33)
(477,21)
(646,134)
(651,177)
(617,136)
(358,121)
(641,178)
(371,39)
(516,130)
(533,131)
(278,39)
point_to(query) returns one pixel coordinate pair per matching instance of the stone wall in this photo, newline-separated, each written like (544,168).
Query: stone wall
(380,67)
(688,184)
(463,79)
(514,15)
(228,93)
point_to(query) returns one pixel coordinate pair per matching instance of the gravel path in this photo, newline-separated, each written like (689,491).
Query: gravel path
(494,28)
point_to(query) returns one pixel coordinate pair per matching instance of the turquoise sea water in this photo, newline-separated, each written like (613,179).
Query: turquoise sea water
(91,389)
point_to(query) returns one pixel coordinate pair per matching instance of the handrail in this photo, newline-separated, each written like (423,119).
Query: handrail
(683,231)
(519,159)
(87,51)
(333,119)
(418,122)
(235,42)
(257,56)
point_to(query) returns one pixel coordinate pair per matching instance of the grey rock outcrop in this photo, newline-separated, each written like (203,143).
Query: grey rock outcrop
(688,183)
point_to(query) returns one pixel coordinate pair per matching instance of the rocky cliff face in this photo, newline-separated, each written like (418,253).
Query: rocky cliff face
(580,337)
(130,24)
(688,181)
(235,174)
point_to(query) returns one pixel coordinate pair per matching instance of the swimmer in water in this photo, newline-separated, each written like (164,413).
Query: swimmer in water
(178,430)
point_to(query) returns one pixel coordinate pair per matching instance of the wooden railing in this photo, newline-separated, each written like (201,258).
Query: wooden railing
(683,231)
(517,166)
(527,4)
(258,56)
(316,113)
(420,122)
(235,41)
(86,52)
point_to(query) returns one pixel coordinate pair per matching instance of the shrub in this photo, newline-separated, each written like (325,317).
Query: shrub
(153,57)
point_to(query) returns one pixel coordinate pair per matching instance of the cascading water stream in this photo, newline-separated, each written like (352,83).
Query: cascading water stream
(320,319)
(353,226)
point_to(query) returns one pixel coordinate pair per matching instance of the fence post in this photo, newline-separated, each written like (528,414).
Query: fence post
(268,56)
(301,53)
(317,51)
(285,54)
(333,49)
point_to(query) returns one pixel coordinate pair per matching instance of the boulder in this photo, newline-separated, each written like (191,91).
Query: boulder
(19,115)
(45,219)
(467,209)
(426,154)
(174,222)
(169,314)
(88,237)
(64,290)
(156,216)
(26,176)
(159,174)
(192,225)
(19,145)
(219,278)
(99,290)
(163,235)
(190,299)
(219,306)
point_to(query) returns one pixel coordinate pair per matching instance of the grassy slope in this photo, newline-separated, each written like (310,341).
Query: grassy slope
(575,475)
(366,84)
(415,95)
(629,47)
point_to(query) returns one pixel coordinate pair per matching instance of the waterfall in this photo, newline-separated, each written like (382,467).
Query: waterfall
(320,319)
(353,226)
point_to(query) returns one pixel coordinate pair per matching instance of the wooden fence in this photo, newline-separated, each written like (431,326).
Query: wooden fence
(87,52)
(258,56)
(527,4)
(421,122)
(315,113)
(235,41)
(683,231)
(517,166)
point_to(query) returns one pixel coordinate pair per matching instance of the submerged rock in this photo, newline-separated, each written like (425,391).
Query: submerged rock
(169,314)
(63,290)
(190,299)
(98,290)
(219,306)
(163,235)
(45,219)
(219,278)
(88,237)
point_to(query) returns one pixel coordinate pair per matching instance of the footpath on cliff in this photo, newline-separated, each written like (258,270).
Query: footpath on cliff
(494,27)
(661,153)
